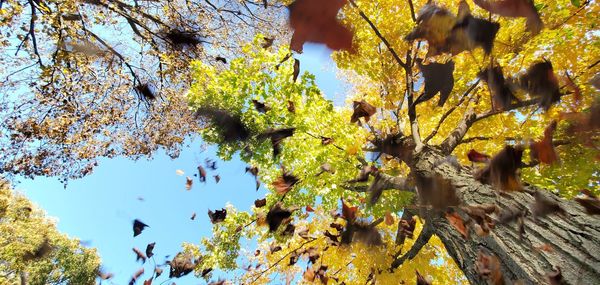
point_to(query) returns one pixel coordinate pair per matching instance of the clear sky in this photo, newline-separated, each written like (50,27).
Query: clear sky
(99,209)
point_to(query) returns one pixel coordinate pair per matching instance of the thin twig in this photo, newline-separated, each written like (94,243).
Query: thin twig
(282,258)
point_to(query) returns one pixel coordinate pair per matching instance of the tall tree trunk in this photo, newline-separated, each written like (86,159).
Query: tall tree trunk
(573,237)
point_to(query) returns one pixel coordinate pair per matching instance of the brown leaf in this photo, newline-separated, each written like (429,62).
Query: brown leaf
(361,232)
(488,267)
(362,109)
(436,191)
(148,282)
(543,151)
(406,229)
(514,8)
(309,209)
(457,222)
(260,106)
(502,169)
(502,95)
(475,156)
(364,174)
(139,255)
(158,271)
(221,59)
(201,174)
(470,32)
(480,214)
(438,79)
(217,216)
(309,275)
(217,178)
(590,202)
(316,21)
(396,146)
(277,137)
(326,140)
(268,42)
(277,215)
(296,69)
(274,248)
(149,249)
(389,219)
(105,276)
(188,183)
(348,212)
(181,265)
(193,217)
(544,206)
(284,183)
(138,227)
(136,275)
(541,82)
(231,127)
(291,107)
(434,24)
(260,203)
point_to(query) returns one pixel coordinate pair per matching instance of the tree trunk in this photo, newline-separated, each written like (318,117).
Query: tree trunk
(574,237)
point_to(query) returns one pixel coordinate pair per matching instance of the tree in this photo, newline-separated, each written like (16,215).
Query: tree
(103,78)
(400,156)
(495,227)
(33,251)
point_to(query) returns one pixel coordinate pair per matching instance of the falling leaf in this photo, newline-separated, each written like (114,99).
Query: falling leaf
(138,227)
(309,209)
(364,174)
(438,78)
(221,59)
(309,275)
(139,255)
(149,249)
(457,222)
(40,251)
(105,276)
(362,109)
(480,214)
(289,230)
(436,191)
(276,216)
(179,172)
(544,206)
(259,203)
(158,271)
(201,174)
(541,82)
(268,42)
(348,211)
(284,183)
(326,140)
(488,267)
(231,127)
(434,24)
(217,216)
(181,39)
(291,107)
(389,219)
(514,8)
(148,282)
(193,216)
(543,151)
(502,95)
(395,145)
(589,201)
(296,69)
(406,229)
(260,106)
(217,178)
(136,275)
(277,137)
(361,232)
(545,247)
(274,248)
(210,164)
(502,169)
(316,21)
(476,31)
(188,183)
(181,265)
(326,167)
(146,91)
(475,156)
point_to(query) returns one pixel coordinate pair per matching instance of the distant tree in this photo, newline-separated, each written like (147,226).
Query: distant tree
(103,78)
(33,251)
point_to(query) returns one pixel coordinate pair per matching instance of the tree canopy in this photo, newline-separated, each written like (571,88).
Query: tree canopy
(33,251)
(493,180)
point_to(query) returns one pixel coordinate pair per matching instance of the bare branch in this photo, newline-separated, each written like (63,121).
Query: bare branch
(449,112)
(378,33)
(459,132)
(282,258)
(421,241)
(412,10)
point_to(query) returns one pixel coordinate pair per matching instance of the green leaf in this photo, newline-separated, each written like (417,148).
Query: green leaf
(576,3)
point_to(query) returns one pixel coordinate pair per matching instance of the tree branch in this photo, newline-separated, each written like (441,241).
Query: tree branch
(282,258)
(420,242)
(449,112)
(461,130)
(378,33)
(412,10)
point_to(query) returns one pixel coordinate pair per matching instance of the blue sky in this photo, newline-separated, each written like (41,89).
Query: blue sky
(99,209)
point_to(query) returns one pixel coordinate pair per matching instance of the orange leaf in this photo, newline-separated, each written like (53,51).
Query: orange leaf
(348,212)
(389,219)
(457,222)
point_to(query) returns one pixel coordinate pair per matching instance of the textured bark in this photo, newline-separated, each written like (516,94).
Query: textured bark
(574,236)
